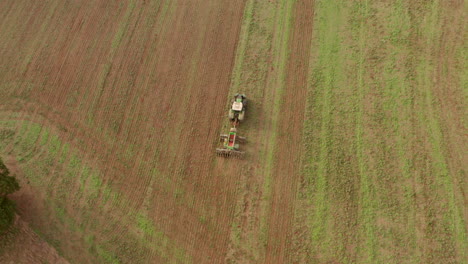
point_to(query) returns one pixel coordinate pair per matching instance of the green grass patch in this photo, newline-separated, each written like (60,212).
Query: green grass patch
(145,225)
(106,255)
(26,141)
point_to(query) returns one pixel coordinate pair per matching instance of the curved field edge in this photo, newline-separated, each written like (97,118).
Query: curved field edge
(22,245)
(56,170)
(377,186)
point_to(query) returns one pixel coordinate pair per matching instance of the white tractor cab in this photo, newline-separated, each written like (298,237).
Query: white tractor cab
(237,111)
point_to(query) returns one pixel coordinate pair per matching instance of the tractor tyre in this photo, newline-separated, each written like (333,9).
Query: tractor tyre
(231,114)
(241,115)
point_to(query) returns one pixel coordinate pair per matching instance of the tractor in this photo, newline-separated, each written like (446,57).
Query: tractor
(230,144)
(238,107)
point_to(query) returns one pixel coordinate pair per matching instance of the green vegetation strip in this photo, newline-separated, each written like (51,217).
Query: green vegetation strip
(264,35)
(332,172)
(249,76)
(367,201)
(245,35)
(280,48)
(265,32)
(325,76)
(372,118)
(396,103)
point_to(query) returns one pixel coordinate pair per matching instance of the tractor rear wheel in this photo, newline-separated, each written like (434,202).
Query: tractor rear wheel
(241,115)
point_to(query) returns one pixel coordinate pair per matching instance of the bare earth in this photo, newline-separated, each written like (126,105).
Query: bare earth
(25,246)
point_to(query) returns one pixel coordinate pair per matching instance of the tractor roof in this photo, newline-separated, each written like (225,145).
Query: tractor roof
(237,106)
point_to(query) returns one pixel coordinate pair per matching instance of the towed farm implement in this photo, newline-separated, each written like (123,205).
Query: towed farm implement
(231,144)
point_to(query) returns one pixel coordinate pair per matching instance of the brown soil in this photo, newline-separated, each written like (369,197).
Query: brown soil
(150,80)
(23,244)
(287,164)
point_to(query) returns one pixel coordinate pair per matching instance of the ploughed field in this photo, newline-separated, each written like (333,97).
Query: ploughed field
(110,112)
